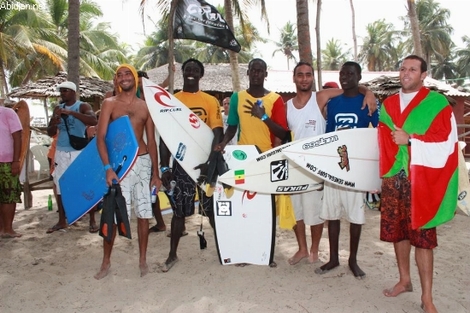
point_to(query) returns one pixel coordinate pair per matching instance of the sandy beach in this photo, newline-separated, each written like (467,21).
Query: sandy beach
(54,272)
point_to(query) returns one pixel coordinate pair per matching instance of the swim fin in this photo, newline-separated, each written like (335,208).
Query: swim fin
(107,215)
(122,219)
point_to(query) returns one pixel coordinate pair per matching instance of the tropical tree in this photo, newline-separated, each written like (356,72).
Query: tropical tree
(463,58)
(73,43)
(378,46)
(288,42)
(353,29)
(414,23)
(444,68)
(435,31)
(333,55)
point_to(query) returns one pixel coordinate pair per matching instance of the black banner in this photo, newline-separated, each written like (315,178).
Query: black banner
(198,20)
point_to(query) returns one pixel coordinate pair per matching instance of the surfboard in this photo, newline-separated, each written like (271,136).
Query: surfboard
(272,173)
(245,222)
(347,158)
(187,137)
(21,108)
(83,184)
(463,199)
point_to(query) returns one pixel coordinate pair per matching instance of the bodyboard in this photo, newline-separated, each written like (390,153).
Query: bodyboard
(245,221)
(272,173)
(83,184)
(347,158)
(187,137)
(21,108)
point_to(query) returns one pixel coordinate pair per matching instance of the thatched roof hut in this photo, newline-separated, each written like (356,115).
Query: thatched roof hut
(92,89)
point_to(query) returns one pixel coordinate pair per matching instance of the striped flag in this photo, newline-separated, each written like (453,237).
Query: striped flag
(239,177)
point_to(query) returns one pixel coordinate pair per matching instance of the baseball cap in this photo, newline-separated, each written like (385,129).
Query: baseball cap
(330,85)
(67,85)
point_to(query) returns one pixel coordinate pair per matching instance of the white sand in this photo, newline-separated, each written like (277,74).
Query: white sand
(42,272)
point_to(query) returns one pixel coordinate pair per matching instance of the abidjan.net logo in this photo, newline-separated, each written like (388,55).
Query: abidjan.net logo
(18,6)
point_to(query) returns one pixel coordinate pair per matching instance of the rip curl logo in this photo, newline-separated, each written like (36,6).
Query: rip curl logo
(160,94)
(343,153)
(194,121)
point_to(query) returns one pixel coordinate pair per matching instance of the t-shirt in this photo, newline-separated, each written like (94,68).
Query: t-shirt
(203,105)
(345,112)
(9,124)
(252,130)
(307,121)
(75,126)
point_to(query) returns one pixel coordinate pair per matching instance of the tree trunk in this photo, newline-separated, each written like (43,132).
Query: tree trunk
(3,82)
(303,34)
(317,33)
(418,50)
(171,45)
(232,54)
(353,28)
(73,45)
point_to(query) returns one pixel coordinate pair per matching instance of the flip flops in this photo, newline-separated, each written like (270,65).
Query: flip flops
(55,228)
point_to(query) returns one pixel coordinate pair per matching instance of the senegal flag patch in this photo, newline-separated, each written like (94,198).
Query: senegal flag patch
(239,177)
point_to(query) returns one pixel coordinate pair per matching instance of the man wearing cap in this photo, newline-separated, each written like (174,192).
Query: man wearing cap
(78,115)
(144,173)
(329,85)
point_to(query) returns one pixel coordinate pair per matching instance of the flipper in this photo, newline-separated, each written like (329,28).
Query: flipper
(107,215)
(123,226)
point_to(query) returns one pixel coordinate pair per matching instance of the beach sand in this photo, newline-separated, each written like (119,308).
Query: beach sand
(42,272)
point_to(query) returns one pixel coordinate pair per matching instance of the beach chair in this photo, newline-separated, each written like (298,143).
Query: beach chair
(40,155)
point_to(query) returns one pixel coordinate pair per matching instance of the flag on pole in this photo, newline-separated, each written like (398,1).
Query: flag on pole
(198,20)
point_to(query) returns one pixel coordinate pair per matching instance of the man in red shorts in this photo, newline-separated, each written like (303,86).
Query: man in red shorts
(418,163)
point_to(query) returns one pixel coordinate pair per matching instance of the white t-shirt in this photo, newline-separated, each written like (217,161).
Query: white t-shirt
(307,121)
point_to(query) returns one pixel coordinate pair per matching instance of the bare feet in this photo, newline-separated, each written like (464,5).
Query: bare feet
(326,268)
(312,257)
(358,273)
(398,289)
(296,258)
(11,235)
(144,269)
(169,264)
(157,228)
(430,308)
(104,270)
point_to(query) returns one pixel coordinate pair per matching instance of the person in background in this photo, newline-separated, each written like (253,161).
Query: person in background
(226,106)
(329,85)
(10,187)
(418,156)
(78,115)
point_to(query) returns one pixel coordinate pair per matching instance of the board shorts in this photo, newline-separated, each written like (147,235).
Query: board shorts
(395,217)
(10,187)
(62,161)
(135,188)
(342,202)
(185,193)
(308,206)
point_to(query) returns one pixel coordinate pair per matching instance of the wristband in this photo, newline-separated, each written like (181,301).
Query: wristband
(107,167)
(264,117)
(164,169)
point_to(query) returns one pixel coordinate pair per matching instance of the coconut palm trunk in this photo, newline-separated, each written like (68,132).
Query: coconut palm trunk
(353,28)
(414,22)
(317,34)
(73,45)
(303,34)
(233,55)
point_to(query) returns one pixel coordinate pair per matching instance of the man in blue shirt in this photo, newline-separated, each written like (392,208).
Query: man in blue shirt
(345,112)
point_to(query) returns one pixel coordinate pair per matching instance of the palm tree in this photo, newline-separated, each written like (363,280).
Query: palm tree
(463,58)
(25,34)
(333,55)
(414,22)
(353,28)
(435,30)
(288,42)
(73,43)
(377,49)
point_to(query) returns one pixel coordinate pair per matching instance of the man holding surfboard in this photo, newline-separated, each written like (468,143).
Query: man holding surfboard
(419,166)
(10,168)
(208,109)
(144,173)
(343,112)
(70,116)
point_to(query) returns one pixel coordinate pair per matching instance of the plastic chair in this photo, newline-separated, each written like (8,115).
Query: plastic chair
(40,155)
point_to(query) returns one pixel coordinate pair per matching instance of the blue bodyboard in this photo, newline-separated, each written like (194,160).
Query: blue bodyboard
(83,184)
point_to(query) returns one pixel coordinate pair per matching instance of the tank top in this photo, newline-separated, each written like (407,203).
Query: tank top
(76,128)
(307,121)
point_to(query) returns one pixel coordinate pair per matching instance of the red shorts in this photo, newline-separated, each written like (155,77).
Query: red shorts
(395,220)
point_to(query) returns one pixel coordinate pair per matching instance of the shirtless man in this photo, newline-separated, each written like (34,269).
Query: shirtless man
(145,168)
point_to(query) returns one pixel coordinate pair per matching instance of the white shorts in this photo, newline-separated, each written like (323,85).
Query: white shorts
(308,206)
(62,160)
(135,188)
(339,201)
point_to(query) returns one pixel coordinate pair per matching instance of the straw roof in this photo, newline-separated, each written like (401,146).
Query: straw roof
(90,87)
